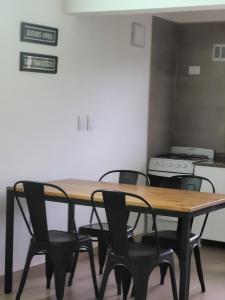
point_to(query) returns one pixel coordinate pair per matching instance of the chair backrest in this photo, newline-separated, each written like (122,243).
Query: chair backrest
(116,210)
(35,198)
(127,176)
(187,182)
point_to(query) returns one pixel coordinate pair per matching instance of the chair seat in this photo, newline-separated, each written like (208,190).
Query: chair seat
(143,251)
(56,236)
(167,235)
(95,229)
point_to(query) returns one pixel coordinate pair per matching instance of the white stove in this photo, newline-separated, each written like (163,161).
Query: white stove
(179,161)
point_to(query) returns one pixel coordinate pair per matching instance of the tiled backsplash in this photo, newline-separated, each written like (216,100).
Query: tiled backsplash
(162,85)
(199,114)
(186,110)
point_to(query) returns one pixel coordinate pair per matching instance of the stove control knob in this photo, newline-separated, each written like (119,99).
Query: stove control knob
(185,166)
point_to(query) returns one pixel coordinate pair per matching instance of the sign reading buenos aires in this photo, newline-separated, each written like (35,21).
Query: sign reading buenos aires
(33,62)
(33,33)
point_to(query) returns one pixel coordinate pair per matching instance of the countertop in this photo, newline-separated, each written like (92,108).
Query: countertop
(216,163)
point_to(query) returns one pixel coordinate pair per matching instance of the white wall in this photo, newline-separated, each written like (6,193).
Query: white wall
(121,6)
(99,73)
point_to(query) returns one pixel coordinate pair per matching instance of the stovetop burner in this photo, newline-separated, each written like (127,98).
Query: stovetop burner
(179,161)
(183,156)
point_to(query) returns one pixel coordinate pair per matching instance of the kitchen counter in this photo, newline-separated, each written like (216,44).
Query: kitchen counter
(216,163)
(214,170)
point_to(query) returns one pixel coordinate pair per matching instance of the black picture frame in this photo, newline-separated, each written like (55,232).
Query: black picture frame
(41,63)
(39,34)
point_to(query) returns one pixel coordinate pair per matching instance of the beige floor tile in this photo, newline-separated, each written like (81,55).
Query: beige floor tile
(82,289)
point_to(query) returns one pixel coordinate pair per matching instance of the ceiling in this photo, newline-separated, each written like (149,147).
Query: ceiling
(194,16)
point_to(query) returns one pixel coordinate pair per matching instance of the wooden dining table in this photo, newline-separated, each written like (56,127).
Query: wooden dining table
(167,202)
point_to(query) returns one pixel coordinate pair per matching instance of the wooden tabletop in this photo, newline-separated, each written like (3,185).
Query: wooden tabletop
(160,198)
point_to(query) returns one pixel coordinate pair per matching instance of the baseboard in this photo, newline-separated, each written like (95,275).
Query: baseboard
(212,243)
(17,274)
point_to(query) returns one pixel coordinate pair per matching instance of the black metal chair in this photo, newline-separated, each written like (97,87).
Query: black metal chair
(170,238)
(58,246)
(131,258)
(94,230)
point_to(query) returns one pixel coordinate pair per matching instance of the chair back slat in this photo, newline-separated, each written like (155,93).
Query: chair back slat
(191,183)
(37,209)
(128,177)
(116,213)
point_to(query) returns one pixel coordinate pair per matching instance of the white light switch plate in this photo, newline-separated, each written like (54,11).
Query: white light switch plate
(81,123)
(90,123)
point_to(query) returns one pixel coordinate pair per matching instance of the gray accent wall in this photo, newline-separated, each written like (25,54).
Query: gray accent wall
(184,109)
(162,85)
(199,114)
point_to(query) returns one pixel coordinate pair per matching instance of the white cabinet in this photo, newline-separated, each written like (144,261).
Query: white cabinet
(215,225)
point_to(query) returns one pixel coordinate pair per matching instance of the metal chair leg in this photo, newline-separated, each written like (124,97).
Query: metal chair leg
(60,258)
(25,271)
(105,278)
(140,286)
(92,264)
(102,252)
(173,281)
(75,258)
(126,281)
(48,270)
(163,271)
(199,267)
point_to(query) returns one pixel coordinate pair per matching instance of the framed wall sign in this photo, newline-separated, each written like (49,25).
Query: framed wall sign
(33,33)
(32,62)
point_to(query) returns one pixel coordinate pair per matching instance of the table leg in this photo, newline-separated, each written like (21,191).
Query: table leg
(70,213)
(185,258)
(70,228)
(9,241)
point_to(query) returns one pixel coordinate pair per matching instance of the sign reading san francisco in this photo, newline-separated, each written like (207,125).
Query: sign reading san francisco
(33,33)
(33,62)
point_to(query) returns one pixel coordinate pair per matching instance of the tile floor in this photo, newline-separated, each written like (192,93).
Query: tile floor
(82,289)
